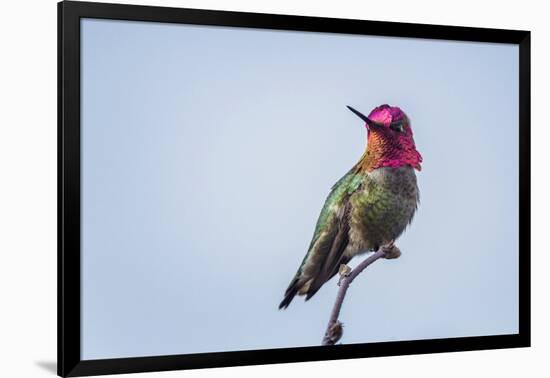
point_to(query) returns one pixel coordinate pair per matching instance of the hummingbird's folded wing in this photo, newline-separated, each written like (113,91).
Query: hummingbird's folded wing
(331,251)
(325,252)
(329,242)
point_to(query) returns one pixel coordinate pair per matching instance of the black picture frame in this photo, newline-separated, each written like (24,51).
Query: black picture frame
(69,315)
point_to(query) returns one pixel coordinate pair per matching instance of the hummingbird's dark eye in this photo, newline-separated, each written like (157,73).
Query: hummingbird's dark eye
(397,126)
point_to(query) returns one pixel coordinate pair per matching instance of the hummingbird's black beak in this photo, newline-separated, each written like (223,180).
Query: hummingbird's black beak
(361,115)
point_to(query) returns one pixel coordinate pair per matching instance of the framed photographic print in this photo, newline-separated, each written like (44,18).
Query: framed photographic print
(239,188)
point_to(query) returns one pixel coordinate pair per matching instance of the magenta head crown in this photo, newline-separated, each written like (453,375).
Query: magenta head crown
(385,114)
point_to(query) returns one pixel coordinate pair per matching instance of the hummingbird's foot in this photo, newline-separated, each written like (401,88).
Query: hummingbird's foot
(391,251)
(344,271)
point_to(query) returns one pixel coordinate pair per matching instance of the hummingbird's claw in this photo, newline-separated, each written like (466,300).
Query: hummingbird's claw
(343,271)
(391,251)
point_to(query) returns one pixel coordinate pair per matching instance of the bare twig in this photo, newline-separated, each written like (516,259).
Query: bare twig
(334,327)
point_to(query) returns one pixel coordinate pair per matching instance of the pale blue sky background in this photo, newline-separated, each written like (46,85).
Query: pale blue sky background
(207,153)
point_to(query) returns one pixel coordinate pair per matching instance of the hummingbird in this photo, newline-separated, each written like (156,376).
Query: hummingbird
(369,207)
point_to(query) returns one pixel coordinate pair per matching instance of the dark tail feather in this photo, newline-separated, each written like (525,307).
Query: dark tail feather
(314,286)
(290,293)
